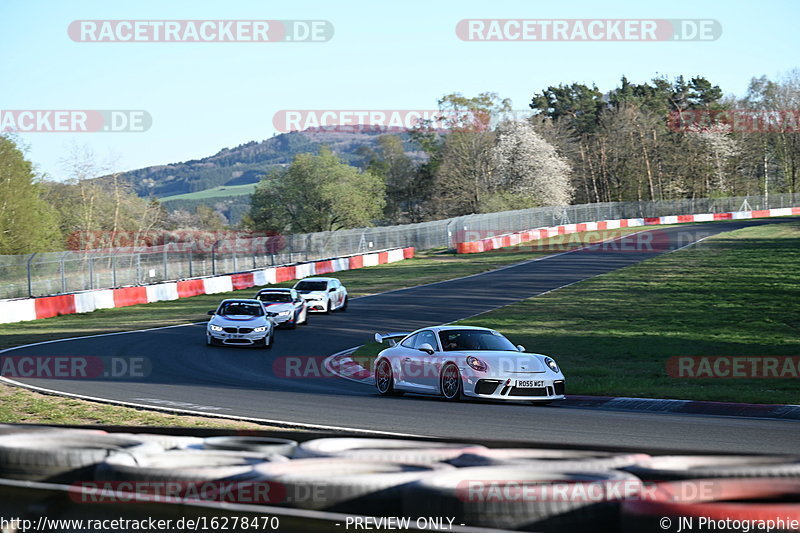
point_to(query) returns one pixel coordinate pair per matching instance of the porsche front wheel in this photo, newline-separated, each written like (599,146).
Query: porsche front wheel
(450,382)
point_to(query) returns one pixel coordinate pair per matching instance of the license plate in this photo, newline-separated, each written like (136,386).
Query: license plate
(529,383)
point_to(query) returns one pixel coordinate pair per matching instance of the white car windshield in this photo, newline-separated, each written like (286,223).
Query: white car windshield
(240,308)
(311,286)
(275,297)
(470,339)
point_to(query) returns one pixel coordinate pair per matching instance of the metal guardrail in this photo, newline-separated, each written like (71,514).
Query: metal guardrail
(204,255)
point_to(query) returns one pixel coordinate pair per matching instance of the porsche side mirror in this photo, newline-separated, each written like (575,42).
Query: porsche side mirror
(427,348)
(211,313)
(520,348)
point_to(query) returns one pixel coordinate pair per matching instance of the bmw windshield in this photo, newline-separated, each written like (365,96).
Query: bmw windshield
(240,309)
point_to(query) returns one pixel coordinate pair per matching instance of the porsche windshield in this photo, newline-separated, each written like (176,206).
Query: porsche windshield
(275,297)
(470,339)
(241,308)
(312,286)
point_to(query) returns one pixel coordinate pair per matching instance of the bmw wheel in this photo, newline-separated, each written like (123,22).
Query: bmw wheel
(450,382)
(269,340)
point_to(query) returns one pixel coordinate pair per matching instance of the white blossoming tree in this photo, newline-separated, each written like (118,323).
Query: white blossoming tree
(528,169)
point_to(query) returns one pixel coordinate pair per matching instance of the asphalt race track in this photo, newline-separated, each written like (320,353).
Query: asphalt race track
(187,374)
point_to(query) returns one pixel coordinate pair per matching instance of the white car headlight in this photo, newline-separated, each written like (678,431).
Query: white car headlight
(285,313)
(551,363)
(476,364)
(260,329)
(212,327)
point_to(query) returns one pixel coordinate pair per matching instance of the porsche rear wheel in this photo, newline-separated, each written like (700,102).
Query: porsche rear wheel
(384,381)
(450,382)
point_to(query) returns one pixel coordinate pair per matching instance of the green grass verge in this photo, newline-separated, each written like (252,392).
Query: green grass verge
(21,406)
(735,294)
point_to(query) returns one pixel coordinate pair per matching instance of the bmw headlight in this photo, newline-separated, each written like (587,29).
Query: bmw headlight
(212,327)
(476,364)
(285,313)
(551,363)
(260,329)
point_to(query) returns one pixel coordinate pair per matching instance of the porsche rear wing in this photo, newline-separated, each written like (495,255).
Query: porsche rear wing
(380,337)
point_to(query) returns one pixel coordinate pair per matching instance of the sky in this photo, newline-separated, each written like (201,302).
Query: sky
(203,97)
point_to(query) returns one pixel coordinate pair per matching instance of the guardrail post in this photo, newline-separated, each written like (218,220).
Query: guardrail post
(30,281)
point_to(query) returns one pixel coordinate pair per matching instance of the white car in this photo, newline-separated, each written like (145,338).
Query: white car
(285,306)
(322,294)
(464,361)
(240,322)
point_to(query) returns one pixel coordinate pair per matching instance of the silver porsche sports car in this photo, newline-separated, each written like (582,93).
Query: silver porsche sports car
(464,361)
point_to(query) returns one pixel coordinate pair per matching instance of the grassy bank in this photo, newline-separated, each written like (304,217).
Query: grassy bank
(21,406)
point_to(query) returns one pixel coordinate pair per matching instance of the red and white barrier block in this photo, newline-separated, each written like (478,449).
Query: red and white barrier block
(24,309)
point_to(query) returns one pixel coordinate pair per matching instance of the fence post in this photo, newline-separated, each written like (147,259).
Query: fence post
(214,258)
(30,281)
(91,271)
(113,269)
(164,259)
(63,274)
(190,259)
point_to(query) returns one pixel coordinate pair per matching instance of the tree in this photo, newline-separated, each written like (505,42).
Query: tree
(27,223)
(577,104)
(399,173)
(528,169)
(317,193)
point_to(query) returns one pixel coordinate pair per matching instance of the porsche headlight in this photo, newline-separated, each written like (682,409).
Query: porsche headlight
(260,329)
(476,364)
(551,363)
(212,327)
